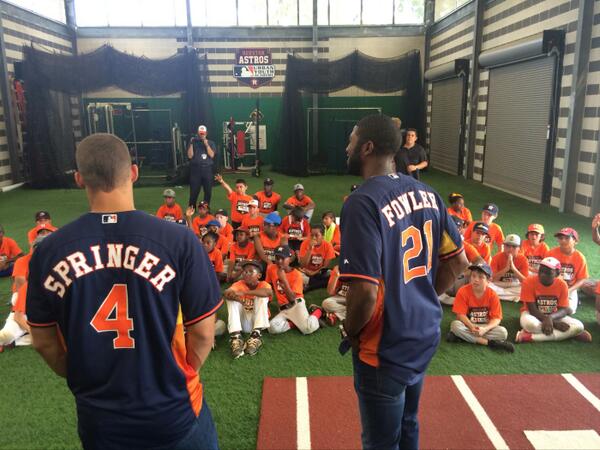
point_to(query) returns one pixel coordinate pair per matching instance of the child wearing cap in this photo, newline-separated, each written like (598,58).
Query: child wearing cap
(478,240)
(269,239)
(332,231)
(478,313)
(42,220)
(287,286)
(199,224)
(253,220)
(209,241)
(352,189)
(223,243)
(169,208)
(545,312)
(489,213)
(247,303)
(300,200)
(237,198)
(573,265)
(268,200)
(457,208)
(315,255)
(296,228)
(226,229)
(241,250)
(509,268)
(534,248)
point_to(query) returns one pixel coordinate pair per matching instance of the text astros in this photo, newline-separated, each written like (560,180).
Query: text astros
(407,203)
(76,265)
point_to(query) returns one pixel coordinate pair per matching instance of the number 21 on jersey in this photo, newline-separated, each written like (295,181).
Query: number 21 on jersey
(113,315)
(413,234)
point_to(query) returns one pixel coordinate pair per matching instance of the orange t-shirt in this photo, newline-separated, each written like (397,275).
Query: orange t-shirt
(471,252)
(547,298)
(254,224)
(294,279)
(216,258)
(9,248)
(239,205)
(306,200)
(295,230)
(573,266)
(319,254)
(199,224)
(598,288)
(501,259)
(534,254)
(267,204)
(33,233)
(174,211)
(238,254)
(484,251)
(479,310)
(223,244)
(465,214)
(269,245)
(226,231)
(21,268)
(336,240)
(248,300)
(495,234)
(21,299)
(341,286)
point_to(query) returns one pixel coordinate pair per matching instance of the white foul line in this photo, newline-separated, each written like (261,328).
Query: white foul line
(484,420)
(585,392)
(302,414)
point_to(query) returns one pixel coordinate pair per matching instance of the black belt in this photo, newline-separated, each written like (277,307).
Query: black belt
(289,304)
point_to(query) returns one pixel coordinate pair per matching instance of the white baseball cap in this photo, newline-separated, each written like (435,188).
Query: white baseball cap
(513,239)
(202,129)
(253,203)
(551,263)
(298,187)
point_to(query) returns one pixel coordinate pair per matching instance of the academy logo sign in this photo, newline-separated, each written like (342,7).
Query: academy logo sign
(253,66)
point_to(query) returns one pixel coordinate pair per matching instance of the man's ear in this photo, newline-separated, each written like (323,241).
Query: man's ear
(367,148)
(78,180)
(135,173)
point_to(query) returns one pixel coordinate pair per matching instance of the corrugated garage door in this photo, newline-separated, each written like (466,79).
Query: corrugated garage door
(517,129)
(446,109)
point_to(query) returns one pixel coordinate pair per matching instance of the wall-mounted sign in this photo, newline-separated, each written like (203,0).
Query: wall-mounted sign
(253,66)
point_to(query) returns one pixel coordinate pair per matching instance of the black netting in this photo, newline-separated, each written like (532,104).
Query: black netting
(357,69)
(50,78)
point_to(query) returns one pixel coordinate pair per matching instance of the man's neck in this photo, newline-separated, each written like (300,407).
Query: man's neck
(113,201)
(377,167)
(409,146)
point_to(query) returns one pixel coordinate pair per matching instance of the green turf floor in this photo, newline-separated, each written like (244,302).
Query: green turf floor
(37,409)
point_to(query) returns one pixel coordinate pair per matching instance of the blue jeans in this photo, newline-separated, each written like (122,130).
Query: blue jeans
(8,271)
(388,409)
(203,435)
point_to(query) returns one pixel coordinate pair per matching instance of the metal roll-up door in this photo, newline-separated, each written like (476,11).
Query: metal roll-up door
(518,125)
(446,121)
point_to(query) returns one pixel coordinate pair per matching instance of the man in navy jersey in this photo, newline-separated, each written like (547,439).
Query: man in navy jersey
(399,251)
(119,286)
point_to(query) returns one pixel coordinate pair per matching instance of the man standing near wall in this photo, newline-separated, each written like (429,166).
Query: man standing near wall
(201,153)
(414,154)
(399,251)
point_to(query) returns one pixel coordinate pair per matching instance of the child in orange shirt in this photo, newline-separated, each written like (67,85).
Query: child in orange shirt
(253,220)
(545,311)
(315,255)
(42,220)
(457,208)
(239,199)
(200,222)
(170,209)
(268,200)
(478,241)
(510,268)
(478,313)
(268,240)
(241,250)
(9,253)
(335,305)
(300,200)
(489,213)
(573,265)
(534,248)
(209,240)
(296,227)
(223,243)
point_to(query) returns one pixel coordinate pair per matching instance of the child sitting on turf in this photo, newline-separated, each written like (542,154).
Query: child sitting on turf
(223,243)
(534,248)
(248,310)
(478,241)
(300,200)
(332,231)
(315,255)
(457,208)
(253,221)
(209,240)
(478,313)
(510,268)
(296,228)
(545,312)
(42,220)
(489,213)
(237,198)
(286,283)
(573,265)
(335,305)
(169,209)
(267,241)
(241,250)
(199,224)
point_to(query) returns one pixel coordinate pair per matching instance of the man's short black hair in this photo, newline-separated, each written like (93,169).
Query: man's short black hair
(381,130)
(240,180)
(414,130)
(318,226)
(297,213)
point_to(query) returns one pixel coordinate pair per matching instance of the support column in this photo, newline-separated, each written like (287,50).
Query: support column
(583,41)
(315,97)
(189,29)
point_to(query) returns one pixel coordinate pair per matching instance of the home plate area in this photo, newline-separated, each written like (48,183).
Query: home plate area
(456,412)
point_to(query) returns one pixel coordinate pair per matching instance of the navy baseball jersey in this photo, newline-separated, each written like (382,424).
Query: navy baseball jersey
(394,231)
(121,288)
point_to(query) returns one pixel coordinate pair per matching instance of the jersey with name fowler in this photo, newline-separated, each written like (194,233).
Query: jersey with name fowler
(121,287)
(396,229)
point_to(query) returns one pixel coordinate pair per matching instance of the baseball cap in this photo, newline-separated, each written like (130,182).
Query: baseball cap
(491,208)
(42,215)
(457,221)
(241,230)
(455,196)
(251,262)
(253,203)
(181,222)
(482,267)
(168,193)
(568,232)
(214,223)
(269,181)
(536,227)
(354,187)
(512,239)
(203,205)
(221,212)
(481,227)
(551,263)
(273,219)
(202,129)
(284,251)
(298,187)
(37,240)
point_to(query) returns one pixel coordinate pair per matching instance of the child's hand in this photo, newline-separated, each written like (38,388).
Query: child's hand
(218,178)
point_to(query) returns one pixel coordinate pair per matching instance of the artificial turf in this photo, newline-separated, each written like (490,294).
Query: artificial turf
(38,410)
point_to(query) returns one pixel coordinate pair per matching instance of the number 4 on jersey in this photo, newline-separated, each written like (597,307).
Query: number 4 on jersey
(121,323)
